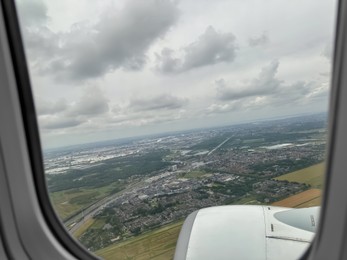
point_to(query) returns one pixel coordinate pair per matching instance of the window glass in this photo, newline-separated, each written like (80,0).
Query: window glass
(150,110)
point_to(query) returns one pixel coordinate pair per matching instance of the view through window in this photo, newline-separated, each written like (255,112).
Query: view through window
(150,110)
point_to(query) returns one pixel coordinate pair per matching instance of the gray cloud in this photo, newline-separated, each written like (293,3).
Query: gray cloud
(328,51)
(32,12)
(57,115)
(140,119)
(297,94)
(321,92)
(167,63)
(92,107)
(325,74)
(210,48)
(54,122)
(163,102)
(42,45)
(124,38)
(50,108)
(222,108)
(92,102)
(265,84)
(266,90)
(118,40)
(261,40)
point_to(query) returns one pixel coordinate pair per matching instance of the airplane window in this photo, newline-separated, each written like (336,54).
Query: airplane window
(153,111)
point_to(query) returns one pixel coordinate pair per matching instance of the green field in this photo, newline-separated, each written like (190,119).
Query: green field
(251,141)
(68,202)
(249,200)
(195,174)
(313,175)
(86,225)
(156,245)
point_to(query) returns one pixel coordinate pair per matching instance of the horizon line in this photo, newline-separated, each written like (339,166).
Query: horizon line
(184,130)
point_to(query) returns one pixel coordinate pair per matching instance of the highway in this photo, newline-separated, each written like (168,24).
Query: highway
(76,222)
(217,147)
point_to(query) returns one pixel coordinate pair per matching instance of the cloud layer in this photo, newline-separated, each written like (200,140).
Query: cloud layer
(119,39)
(118,68)
(162,102)
(61,114)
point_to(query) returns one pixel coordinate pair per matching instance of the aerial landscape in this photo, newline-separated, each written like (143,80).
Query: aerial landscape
(151,110)
(127,198)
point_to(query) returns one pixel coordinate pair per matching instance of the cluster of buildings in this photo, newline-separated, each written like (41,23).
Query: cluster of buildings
(197,177)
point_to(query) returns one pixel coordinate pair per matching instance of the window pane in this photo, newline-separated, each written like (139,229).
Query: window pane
(150,110)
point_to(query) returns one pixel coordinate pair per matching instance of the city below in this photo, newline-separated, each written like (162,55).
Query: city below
(110,192)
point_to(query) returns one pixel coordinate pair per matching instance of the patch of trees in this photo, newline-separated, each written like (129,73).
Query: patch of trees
(110,171)
(159,208)
(286,164)
(237,189)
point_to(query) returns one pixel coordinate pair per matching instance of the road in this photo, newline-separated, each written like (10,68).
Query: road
(217,147)
(90,211)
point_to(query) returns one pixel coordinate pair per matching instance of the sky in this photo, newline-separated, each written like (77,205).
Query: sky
(112,69)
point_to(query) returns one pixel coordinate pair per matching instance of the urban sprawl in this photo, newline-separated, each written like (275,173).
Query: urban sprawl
(134,185)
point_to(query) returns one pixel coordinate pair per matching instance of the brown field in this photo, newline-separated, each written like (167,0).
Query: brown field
(308,198)
(313,175)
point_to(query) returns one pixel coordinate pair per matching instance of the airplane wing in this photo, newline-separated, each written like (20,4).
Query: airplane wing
(246,232)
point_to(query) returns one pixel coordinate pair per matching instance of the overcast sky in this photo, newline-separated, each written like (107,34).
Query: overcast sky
(112,69)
